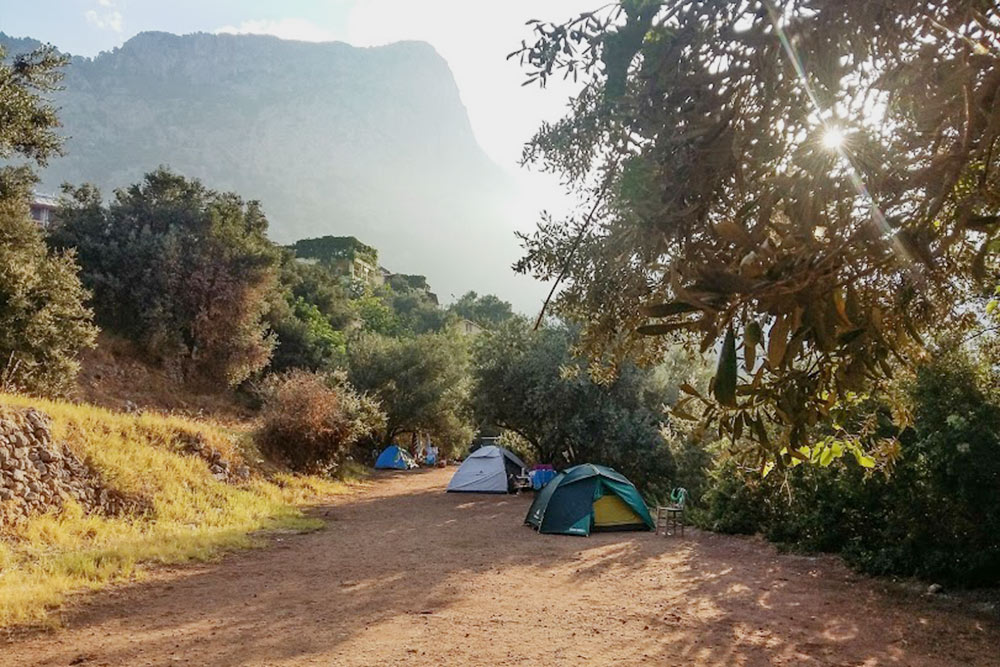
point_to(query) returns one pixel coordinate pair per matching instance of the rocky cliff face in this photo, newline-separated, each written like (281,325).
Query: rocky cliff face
(333,139)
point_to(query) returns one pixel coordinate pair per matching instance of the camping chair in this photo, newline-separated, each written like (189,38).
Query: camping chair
(520,482)
(668,517)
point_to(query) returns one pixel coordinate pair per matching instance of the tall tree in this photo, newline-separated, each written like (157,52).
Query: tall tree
(807,186)
(422,383)
(184,270)
(308,313)
(530,383)
(487,310)
(43,321)
(29,122)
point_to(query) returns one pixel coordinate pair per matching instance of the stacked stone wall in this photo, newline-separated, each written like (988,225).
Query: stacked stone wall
(38,475)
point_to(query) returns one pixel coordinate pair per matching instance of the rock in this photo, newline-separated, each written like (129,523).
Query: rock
(243,472)
(221,476)
(47,456)
(6,494)
(18,475)
(934,589)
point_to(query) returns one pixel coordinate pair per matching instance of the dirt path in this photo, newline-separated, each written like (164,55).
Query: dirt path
(405,573)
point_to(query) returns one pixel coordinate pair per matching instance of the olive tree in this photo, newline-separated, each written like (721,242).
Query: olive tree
(44,322)
(530,383)
(809,187)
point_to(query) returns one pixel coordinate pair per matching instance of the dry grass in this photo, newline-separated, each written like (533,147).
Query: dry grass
(192,516)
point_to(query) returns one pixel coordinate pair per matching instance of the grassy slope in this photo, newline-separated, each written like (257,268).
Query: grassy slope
(193,516)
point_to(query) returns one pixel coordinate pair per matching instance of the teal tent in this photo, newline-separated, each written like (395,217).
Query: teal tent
(588,497)
(394,457)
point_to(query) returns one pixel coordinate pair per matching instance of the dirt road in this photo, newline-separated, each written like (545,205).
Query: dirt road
(406,574)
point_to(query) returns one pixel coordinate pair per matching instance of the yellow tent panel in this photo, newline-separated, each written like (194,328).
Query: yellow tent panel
(610,510)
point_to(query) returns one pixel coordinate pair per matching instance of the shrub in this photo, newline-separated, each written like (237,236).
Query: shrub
(693,458)
(313,421)
(734,503)
(935,516)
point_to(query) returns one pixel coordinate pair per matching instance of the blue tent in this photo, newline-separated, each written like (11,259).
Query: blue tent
(394,458)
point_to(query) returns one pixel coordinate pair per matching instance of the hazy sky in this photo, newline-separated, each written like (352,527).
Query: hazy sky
(473,36)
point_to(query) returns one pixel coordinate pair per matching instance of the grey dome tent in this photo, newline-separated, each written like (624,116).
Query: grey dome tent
(489,469)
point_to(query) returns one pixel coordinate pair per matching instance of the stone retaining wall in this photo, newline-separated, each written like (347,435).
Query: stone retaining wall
(37,474)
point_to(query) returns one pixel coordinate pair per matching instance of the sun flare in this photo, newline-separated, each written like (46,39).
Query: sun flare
(833,138)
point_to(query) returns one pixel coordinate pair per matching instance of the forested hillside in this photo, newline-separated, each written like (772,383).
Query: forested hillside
(332,139)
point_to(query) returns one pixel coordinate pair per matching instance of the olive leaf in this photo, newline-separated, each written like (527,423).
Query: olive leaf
(751,339)
(726,375)
(667,309)
(777,341)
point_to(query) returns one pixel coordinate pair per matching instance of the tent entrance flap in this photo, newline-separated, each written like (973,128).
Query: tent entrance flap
(585,498)
(610,511)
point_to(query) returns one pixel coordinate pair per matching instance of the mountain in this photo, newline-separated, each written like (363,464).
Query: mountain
(331,138)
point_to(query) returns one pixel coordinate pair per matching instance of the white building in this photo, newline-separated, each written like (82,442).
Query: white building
(42,208)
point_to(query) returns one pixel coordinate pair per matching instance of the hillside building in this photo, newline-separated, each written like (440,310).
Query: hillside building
(344,255)
(43,208)
(468,327)
(355,261)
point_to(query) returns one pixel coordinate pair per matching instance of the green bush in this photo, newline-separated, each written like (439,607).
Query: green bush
(936,516)
(693,460)
(734,502)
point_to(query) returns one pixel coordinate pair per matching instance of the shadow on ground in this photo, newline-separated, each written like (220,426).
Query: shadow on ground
(407,573)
